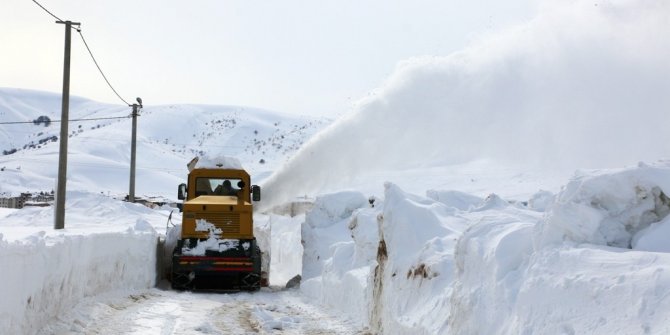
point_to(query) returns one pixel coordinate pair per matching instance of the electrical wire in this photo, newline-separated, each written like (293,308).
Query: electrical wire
(85,164)
(72,120)
(89,52)
(98,66)
(46,10)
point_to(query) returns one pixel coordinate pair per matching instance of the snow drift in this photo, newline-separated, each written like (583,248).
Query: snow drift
(611,208)
(106,245)
(583,85)
(415,265)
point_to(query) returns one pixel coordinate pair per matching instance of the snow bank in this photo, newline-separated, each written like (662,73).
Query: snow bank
(455,199)
(557,275)
(653,238)
(387,266)
(610,207)
(414,265)
(44,278)
(489,260)
(286,246)
(411,288)
(506,287)
(340,241)
(46,271)
(541,200)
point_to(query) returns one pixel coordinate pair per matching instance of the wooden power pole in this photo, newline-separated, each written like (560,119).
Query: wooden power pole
(133,151)
(59,222)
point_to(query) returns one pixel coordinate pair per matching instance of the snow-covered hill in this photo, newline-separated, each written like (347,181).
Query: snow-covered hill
(168,137)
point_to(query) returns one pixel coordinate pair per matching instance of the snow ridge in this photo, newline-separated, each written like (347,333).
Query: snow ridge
(419,266)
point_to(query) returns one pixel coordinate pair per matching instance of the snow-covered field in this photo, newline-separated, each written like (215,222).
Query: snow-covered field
(497,190)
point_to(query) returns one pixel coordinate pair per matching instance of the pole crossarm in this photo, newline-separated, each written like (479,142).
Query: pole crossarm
(71,23)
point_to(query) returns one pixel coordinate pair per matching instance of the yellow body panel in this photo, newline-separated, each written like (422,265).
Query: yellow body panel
(231,215)
(216,200)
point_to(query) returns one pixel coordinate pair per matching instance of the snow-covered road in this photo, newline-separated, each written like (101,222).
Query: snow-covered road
(158,311)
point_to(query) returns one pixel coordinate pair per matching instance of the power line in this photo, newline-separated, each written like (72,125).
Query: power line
(98,66)
(71,120)
(89,52)
(87,164)
(46,10)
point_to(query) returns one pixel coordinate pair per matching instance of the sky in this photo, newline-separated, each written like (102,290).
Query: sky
(300,57)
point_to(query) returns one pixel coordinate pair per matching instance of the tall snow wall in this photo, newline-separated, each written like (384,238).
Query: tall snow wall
(595,262)
(106,245)
(42,279)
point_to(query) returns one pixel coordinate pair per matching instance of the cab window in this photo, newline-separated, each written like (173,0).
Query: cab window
(216,186)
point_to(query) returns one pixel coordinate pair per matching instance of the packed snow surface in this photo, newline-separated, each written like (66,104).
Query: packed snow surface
(158,311)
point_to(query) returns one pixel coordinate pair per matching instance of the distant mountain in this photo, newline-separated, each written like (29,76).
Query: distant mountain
(168,137)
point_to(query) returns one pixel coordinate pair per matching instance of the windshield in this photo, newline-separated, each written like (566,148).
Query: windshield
(216,186)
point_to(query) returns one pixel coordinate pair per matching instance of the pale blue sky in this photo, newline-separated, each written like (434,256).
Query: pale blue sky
(301,57)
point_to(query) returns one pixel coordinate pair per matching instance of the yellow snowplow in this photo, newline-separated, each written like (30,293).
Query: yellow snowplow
(217,249)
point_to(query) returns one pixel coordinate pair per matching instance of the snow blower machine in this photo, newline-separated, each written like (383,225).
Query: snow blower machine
(217,249)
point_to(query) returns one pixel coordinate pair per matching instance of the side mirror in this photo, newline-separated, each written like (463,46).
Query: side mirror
(181,192)
(255,193)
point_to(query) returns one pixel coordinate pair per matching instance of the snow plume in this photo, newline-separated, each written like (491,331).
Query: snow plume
(582,85)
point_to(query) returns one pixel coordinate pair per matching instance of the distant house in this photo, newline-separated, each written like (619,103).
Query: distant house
(43,197)
(9,202)
(27,199)
(23,198)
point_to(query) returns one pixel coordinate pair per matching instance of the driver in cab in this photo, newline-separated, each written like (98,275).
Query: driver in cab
(225,188)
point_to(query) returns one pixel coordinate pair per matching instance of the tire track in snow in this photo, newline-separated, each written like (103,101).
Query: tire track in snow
(168,312)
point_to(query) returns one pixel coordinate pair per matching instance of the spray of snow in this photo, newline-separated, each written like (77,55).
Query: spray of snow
(583,85)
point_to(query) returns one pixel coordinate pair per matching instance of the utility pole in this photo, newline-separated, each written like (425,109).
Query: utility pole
(59,218)
(133,150)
